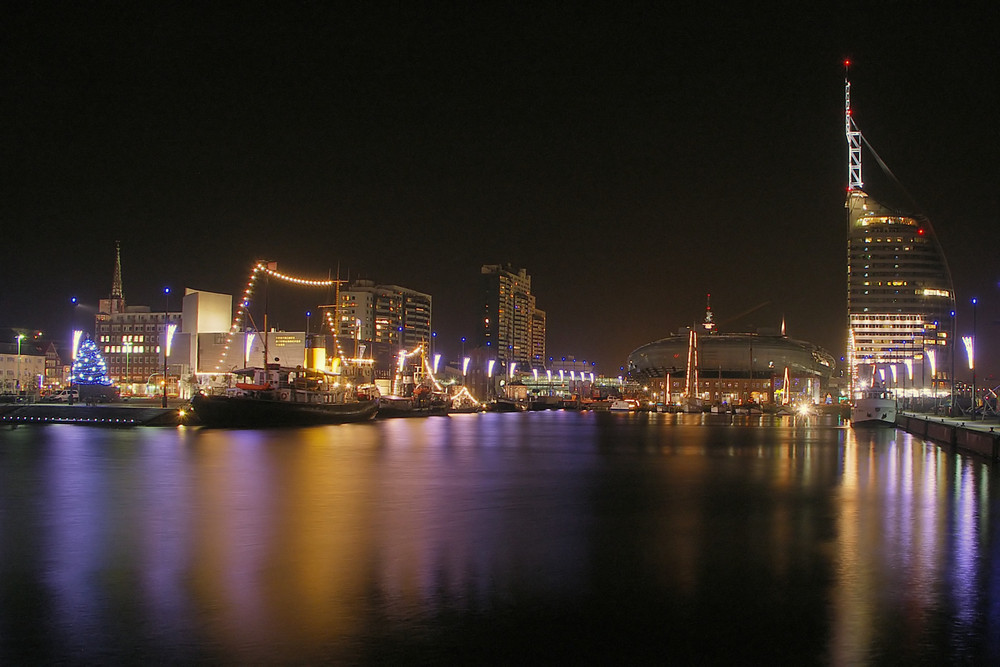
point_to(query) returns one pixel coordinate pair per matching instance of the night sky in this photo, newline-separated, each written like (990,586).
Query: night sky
(631,159)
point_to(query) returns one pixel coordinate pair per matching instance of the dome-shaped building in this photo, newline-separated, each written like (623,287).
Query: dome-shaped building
(734,368)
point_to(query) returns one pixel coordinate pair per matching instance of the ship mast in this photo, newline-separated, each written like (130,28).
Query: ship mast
(853,136)
(854,196)
(691,381)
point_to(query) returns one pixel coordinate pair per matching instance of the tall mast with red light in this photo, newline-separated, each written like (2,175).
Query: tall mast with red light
(853,136)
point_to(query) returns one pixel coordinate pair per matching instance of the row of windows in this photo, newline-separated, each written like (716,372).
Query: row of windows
(135,362)
(130,338)
(133,368)
(872,221)
(136,349)
(149,328)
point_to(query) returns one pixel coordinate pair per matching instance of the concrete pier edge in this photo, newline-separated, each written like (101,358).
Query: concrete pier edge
(979,438)
(115,415)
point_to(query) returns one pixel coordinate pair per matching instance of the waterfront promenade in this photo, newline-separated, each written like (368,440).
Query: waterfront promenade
(980,437)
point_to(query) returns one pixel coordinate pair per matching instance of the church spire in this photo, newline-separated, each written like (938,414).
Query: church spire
(116,283)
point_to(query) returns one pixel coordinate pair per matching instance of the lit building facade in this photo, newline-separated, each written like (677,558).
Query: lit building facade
(22,367)
(388,315)
(53,368)
(900,297)
(510,325)
(538,338)
(133,339)
(133,343)
(734,368)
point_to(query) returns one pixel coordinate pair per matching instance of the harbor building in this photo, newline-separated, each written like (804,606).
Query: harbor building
(538,338)
(133,339)
(387,316)
(510,327)
(23,362)
(703,366)
(733,368)
(900,297)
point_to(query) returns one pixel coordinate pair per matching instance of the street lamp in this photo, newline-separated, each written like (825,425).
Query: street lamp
(73,300)
(166,305)
(17,381)
(932,360)
(77,335)
(972,357)
(952,343)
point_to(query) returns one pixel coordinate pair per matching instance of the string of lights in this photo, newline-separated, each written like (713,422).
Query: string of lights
(242,309)
(297,281)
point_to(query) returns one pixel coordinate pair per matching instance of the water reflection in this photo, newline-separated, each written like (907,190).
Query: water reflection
(496,537)
(909,538)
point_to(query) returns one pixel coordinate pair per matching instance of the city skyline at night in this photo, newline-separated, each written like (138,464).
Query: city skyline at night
(631,160)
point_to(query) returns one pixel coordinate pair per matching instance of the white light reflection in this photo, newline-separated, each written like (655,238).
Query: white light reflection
(963,573)
(909,537)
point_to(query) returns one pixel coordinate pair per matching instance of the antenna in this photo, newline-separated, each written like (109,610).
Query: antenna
(709,323)
(853,135)
(116,281)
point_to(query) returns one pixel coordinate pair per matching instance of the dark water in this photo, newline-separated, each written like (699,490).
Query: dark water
(518,538)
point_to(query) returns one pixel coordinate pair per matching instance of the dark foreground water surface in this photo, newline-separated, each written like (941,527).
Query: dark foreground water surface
(519,538)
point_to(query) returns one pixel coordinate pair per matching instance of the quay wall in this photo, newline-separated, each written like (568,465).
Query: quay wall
(114,415)
(979,441)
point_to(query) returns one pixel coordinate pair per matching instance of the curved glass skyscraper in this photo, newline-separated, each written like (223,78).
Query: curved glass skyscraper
(900,298)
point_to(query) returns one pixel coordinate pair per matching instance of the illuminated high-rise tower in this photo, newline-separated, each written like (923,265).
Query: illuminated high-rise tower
(511,326)
(900,298)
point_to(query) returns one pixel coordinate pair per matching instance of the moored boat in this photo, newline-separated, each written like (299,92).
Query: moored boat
(503,404)
(463,402)
(873,407)
(410,406)
(281,396)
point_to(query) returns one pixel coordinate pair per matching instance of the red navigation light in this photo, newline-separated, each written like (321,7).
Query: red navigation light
(847,63)
(920,232)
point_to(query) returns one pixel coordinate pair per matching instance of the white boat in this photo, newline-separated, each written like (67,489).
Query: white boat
(622,406)
(873,407)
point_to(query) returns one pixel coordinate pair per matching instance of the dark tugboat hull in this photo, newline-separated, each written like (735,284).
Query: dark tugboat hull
(245,412)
